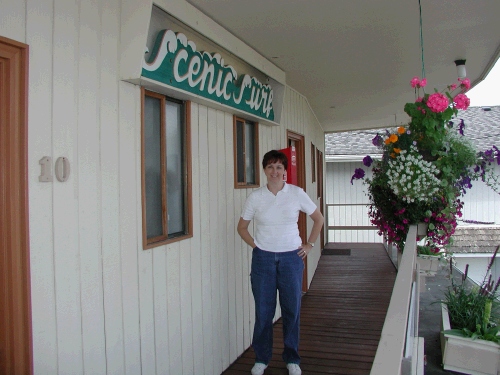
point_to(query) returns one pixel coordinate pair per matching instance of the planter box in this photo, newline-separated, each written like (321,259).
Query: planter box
(468,356)
(429,264)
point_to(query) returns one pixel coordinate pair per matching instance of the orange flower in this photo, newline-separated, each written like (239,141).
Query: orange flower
(387,141)
(401,130)
(397,150)
(393,155)
(393,138)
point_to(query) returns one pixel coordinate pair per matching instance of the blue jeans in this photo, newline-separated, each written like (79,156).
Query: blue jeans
(272,272)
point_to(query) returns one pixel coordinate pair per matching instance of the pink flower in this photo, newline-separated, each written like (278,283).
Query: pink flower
(465,83)
(437,102)
(453,86)
(419,99)
(417,82)
(414,82)
(461,101)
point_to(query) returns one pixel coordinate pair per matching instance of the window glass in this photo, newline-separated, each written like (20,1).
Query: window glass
(240,151)
(246,153)
(175,169)
(250,153)
(153,175)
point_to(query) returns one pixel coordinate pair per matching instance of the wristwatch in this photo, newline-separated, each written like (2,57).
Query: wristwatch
(311,243)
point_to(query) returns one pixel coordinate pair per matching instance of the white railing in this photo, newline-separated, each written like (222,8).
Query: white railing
(400,351)
(349,222)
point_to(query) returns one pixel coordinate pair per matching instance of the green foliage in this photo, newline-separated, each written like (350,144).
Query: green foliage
(428,250)
(474,311)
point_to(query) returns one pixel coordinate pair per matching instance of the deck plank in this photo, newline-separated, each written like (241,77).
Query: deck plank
(342,315)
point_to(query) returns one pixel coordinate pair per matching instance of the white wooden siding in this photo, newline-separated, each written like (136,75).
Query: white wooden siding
(340,191)
(101,304)
(481,203)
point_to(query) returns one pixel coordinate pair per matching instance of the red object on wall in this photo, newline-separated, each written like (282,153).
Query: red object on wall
(291,173)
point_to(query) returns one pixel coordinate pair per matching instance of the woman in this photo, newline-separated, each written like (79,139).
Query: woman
(277,259)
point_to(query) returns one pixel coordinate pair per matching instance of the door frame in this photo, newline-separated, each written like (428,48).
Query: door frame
(319,182)
(299,142)
(16,349)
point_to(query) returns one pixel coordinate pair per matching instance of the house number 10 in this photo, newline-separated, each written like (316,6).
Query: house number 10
(62,169)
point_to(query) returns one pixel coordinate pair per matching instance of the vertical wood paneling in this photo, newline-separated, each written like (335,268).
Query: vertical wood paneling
(248,306)
(240,249)
(214,240)
(88,190)
(481,203)
(341,191)
(185,309)
(161,333)
(39,32)
(222,237)
(205,242)
(196,251)
(173,310)
(65,198)
(231,248)
(12,20)
(129,99)
(110,203)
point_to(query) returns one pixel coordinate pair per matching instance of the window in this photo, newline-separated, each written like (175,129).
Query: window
(246,142)
(166,170)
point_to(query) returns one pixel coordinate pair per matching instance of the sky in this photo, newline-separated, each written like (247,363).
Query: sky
(487,93)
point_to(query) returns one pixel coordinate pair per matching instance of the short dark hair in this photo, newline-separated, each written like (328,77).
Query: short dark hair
(274,156)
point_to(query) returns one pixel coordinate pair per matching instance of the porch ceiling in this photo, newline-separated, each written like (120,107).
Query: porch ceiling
(353,60)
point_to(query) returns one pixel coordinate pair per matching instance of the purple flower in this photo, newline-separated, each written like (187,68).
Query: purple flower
(497,152)
(358,173)
(377,140)
(461,127)
(367,160)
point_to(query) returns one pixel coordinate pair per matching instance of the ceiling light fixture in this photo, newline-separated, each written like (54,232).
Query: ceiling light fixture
(461,68)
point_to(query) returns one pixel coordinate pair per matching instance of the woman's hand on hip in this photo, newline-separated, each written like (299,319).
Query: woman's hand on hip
(304,249)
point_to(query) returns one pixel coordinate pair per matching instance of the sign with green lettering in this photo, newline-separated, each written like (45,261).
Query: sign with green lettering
(175,62)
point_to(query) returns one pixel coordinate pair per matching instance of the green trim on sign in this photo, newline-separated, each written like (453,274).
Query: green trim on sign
(175,62)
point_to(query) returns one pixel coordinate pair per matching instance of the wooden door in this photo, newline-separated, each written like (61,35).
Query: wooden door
(15,308)
(297,140)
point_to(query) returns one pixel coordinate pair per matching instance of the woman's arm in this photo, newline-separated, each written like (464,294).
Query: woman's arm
(318,220)
(244,233)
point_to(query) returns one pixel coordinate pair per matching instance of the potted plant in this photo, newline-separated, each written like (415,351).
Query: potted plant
(429,258)
(425,167)
(470,337)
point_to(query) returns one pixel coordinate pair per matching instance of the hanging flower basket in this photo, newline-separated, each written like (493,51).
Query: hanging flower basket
(425,168)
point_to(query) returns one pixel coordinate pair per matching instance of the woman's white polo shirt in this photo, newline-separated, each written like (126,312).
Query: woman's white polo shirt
(276,217)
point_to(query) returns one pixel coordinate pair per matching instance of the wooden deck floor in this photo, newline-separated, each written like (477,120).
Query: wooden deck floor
(342,315)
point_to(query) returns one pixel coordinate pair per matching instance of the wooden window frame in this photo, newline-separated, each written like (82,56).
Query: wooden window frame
(313,162)
(243,185)
(164,239)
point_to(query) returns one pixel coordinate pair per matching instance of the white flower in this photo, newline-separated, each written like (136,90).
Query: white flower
(412,176)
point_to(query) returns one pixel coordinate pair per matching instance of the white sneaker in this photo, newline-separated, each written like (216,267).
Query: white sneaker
(258,368)
(293,369)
